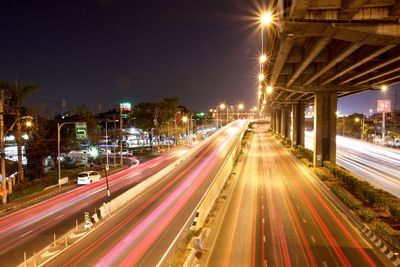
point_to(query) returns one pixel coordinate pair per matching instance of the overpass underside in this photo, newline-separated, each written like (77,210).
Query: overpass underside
(323,50)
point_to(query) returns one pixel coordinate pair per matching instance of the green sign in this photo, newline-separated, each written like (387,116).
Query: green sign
(125,106)
(81,130)
(200,114)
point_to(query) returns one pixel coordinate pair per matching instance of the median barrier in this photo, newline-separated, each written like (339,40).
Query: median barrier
(216,186)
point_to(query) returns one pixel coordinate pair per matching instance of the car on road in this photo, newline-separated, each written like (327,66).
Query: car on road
(125,152)
(88,177)
(395,143)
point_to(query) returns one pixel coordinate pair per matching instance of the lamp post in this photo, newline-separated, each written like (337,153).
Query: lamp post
(58,145)
(240,107)
(362,126)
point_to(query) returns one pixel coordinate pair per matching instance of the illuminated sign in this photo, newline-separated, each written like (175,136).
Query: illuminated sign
(384,106)
(81,130)
(125,106)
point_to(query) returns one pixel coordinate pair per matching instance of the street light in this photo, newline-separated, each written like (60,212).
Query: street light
(263,59)
(222,107)
(269,90)
(261,77)
(107,165)
(240,107)
(384,87)
(266,18)
(362,126)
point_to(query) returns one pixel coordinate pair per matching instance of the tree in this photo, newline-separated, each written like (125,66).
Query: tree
(17,95)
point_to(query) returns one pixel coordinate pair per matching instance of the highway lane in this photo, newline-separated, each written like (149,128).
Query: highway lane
(235,244)
(297,222)
(141,232)
(30,229)
(376,164)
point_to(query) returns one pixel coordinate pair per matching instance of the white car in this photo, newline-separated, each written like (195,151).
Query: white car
(88,177)
(125,152)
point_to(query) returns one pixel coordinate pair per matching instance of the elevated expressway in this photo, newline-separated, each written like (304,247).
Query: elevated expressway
(321,50)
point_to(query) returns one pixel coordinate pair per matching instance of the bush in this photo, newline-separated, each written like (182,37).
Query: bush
(346,197)
(388,234)
(367,214)
(394,209)
(321,174)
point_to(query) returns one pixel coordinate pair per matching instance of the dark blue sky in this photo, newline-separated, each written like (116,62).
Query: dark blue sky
(105,51)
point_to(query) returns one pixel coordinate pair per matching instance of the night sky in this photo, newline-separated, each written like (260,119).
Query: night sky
(101,52)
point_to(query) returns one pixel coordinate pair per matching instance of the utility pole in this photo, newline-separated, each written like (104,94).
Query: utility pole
(2,151)
(19,147)
(120,136)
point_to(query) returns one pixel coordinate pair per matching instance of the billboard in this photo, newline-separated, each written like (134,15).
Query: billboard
(125,106)
(384,106)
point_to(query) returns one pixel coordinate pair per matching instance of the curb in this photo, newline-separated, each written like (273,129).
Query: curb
(380,245)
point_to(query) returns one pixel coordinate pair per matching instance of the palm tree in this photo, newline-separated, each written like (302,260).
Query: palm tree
(19,93)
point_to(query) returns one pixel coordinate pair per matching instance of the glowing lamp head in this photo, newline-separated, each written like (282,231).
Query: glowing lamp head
(264,101)
(384,87)
(240,106)
(357,119)
(266,18)
(222,106)
(263,59)
(261,77)
(28,124)
(269,90)
(184,119)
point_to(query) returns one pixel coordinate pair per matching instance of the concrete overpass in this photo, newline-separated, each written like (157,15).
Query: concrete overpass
(320,50)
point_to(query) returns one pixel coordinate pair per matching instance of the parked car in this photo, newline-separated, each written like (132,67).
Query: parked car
(125,152)
(395,143)
(88,177)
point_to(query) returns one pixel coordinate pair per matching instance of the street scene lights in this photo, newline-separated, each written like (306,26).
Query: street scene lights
(362,126)
(269,89)
(261,77)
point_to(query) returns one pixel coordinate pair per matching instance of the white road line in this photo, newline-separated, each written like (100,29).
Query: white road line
(62,215)
(324,264)
(263,221)
(304,220)
(26,233)
(264,239)
(312,239)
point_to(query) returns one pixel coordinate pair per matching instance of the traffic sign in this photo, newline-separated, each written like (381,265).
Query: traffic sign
(81,130)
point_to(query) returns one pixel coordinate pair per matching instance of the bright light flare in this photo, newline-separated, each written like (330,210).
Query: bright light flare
(266,18)
(28,124)
(384,88)
(222,106)
(269,89)
(263,59)
(184,119)
(261,77)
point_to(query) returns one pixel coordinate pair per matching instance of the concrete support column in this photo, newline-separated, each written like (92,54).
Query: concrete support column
(273,121)
(278,121)
(298,124)
(285,122)
(325,106)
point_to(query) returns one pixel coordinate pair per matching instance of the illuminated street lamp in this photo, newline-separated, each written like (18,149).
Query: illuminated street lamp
(240,107)
(362,126)
(263,59)
(266,18)
(222,107)
(370,112)
(269,89)
(261,77)
(384,87)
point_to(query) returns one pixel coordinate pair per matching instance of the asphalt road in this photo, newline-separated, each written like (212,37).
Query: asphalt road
(31,229)
(295,223)
(141,233)
(373,163)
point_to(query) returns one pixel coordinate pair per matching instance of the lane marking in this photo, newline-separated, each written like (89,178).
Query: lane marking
(297,207)
(264,239)
(263,221)
(304,220)
(26,233)
(313,239)
(262,207)
(324,264)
